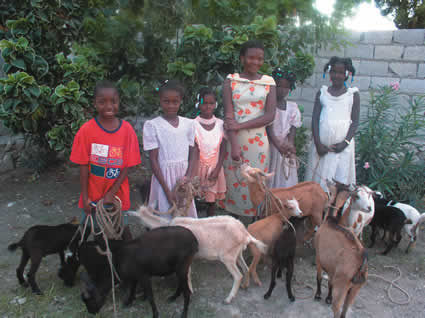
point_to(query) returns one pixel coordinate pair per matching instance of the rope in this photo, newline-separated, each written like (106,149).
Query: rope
(296,282)
(393,284)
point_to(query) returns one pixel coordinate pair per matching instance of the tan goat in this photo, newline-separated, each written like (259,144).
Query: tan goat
(310,195)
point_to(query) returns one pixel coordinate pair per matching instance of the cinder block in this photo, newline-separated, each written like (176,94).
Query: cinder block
(311,81)
(320,64)
(388,52)
(361,82)
(410,37)
(364,51)
(412,86)
(309,94)
(296,93)
(383,81)
(354,36)
(373,68)
(404,102)
(414,53)
(403,69)
(307,123)
(421,70)
(378,37)
(329,52)
(308,107)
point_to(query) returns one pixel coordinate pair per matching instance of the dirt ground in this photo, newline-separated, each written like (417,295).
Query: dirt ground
(52,198)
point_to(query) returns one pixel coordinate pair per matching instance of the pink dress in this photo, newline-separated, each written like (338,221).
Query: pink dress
(285,169)
(173,144)
(209,142)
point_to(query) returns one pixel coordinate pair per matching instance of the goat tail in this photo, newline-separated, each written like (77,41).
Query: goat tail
(260,245)
(420,220)
(359,277)
(12,247)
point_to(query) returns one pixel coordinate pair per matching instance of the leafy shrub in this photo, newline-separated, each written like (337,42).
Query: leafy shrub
(389,146)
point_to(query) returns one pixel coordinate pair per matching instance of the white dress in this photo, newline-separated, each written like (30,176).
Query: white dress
(285,170)
(173,144)
(335,120)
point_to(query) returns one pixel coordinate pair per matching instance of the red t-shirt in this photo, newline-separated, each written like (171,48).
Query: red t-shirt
(106,153)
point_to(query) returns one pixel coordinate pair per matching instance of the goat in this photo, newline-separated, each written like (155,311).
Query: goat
(267,230)
(283,256)
(39,241)
(390,219)
(160,252)
(358,210)
(220,238)
(310,195)
(342,256)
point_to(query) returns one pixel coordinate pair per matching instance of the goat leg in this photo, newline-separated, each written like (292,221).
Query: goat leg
(318,295)
(35,263)
(62,257)
(20,270)
(275,268)
(289,273)
(373,236)
(329,297)
(390,245)
(147,286)
(131,292)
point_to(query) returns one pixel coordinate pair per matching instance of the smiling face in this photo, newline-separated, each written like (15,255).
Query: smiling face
(208,106)
(107,103)
(282,89)
(252,60)
(337,74)
(170,101)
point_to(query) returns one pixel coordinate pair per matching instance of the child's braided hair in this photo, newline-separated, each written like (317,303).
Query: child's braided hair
(346,61)
(171,85)
(284,73)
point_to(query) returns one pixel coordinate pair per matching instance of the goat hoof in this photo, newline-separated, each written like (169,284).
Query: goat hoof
(266,296)
(292,298)
(317,297)
(227,300)
(328,300)
(171,299)
(37,292)
(24,284)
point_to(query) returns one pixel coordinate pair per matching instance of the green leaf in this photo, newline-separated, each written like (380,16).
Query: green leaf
(35,91)
(19,63)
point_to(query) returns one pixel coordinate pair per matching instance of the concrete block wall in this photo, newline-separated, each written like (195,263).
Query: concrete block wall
(380,58)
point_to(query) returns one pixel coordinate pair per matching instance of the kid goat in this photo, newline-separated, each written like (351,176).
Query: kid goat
(220,238)
(39,241)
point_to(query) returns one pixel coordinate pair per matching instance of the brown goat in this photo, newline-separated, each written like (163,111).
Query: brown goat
(339,253)
(310,195)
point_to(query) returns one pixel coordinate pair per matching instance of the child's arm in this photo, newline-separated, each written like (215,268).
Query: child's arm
(267,118)
(214,174)
(321,149)
(284,148)
(291,140)
(355,114)
(193,156)
(110,194)
(84,183)
(229,116)
(153,157)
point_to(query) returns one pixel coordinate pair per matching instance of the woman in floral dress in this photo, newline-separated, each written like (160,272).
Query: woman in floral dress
(249,104)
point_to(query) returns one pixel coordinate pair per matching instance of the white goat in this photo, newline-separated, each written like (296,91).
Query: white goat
(360,208)
(220,238)
(412,214)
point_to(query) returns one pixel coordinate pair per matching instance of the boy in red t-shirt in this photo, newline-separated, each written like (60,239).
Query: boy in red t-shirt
(105,147)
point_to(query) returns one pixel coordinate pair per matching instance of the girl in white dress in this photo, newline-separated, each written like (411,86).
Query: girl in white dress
(282,133)
(334,123)
(170,140)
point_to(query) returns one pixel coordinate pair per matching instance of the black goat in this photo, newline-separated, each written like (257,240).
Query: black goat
(39,241)
(283,255)
(159,252)
(390,219)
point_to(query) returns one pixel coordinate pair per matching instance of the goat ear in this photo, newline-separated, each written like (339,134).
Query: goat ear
(266,175)
(408,221)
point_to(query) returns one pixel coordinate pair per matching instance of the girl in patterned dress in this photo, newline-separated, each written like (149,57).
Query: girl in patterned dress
(282,133)
(210,146)
(170,140)
(249,105)
(335,120)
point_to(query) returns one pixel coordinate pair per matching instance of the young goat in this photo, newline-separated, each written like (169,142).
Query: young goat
(283,256)
(160,252)
(390,219)
(39,241)
(221,238)
(267,230)
(310,195)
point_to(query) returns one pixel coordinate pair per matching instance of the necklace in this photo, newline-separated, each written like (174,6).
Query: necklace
(204,121)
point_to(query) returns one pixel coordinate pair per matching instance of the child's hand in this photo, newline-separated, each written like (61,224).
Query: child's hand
(171,197)
(88,207)
(236,153)
(231,124)
(338,147)
(108,198)
(214,174)
(322,149)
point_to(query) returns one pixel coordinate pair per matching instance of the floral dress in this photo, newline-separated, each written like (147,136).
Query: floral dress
(249,100)
(284,169)
(334,122)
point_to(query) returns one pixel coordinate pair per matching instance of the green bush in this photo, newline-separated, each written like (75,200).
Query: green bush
(389,146)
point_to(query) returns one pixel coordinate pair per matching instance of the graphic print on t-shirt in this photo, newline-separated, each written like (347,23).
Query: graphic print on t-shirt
(105,161)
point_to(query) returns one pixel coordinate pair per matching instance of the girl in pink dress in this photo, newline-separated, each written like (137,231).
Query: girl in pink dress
(282,133)
(170,141)
(211,146)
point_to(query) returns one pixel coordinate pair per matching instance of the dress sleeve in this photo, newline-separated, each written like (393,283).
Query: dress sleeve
(80,153)
(133,154)
(295,117)
(150,137)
